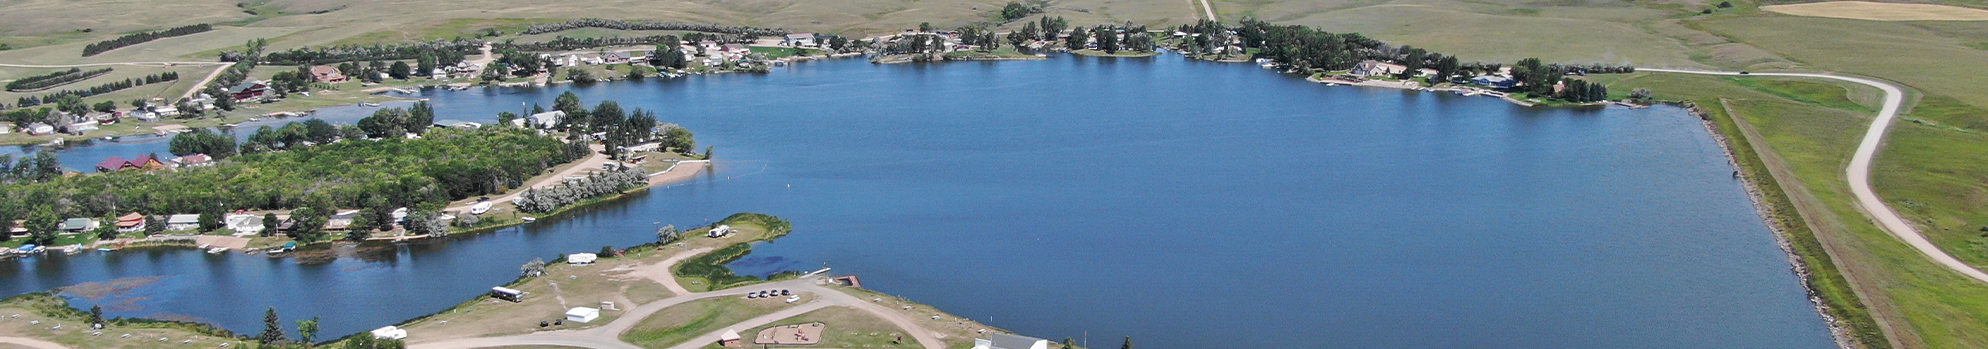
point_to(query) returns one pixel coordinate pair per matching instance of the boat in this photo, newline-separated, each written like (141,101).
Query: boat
(72,249)
(480,208)
(104,249)
(529,219)
(217,250)
(255,119)
(202,246)
(369,104)
(111,137)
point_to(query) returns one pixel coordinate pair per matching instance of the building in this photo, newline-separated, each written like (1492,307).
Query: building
(244,224)
(341,220)
(142,163)
(506,293)
(546,119)
(130,223)
(195,160)
(248,91)
(582,314)
(389,332)
(79,127)
(327,74)
(1377,68)
(19,229)
(735,49)
(800,39)
(614,57)
(78,225)
(183,222)
(1009,341)
(1494,81)
(39,129)
(721,231)
(730,339)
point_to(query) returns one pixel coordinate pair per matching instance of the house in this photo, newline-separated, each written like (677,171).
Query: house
(130,223)
(735,49)
(195,160)
(142,162)
(1494,81)
(547,119)
(244,224)
(800,39)
(79,127)
(165,110)
(39,129)
(19,229)
(183,222)
(582,314)
(644,147)
(1009,341)
(143,115)
(1377,68)
(78,225)
(341,220)
(6,129)
(105,118)
(581,258)
(327,74)
(614,57)
(248,91)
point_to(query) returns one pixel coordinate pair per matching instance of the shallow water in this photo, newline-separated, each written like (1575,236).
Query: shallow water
(1187,204)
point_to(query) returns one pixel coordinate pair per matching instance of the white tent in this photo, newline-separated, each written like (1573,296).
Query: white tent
(582,314)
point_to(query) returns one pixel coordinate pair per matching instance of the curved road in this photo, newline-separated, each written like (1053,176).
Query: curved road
(31,343)
(1860,170)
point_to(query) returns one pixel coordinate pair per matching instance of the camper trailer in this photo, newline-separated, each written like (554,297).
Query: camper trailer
(508,294)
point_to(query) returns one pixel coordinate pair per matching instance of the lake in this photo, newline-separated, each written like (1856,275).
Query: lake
(1186,204)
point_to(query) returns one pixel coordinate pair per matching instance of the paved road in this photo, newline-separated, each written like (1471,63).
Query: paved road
(31,343)
(1860,171)
(591,163)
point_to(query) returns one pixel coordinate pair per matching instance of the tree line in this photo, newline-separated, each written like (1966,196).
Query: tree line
(543,28)
(43,81)
(573,191)
(142,37)
(107,87)
(1016,9)
(442,166)
(569,43)
(443,50)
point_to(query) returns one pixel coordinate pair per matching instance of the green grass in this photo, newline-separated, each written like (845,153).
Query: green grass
(1979,45)
(682,322)
(778,52)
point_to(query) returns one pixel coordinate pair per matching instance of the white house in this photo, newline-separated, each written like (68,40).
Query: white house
(581,258)
(582,314)
(40,129)
(800,39)
(1009,341)
(547,119)
(245,224)
(183,222)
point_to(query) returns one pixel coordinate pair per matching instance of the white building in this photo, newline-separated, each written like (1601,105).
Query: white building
(390,332)
(1009,341)
(721,231)
(582,314)
(245,224)
(546,119)
(183,222)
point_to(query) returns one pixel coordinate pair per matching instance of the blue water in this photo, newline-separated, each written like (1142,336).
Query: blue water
(1186,204)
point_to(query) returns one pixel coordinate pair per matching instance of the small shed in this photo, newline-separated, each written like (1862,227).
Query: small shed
(581,258)
(582,314)
(730,338)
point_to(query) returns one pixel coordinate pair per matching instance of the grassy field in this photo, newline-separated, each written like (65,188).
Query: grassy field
(48,318)
(847,328)
(680,323)
(563,286)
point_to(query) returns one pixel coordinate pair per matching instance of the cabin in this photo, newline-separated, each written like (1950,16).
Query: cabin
(248,91)
(244,224)
(1009,341)
(582,314)
(327,74)
(508,294)
(130,223)
(183,222)
(800,39)
(77,225)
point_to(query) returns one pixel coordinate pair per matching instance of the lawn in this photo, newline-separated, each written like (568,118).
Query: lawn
(778,52)
(562,287)
(74,331)
(680,323)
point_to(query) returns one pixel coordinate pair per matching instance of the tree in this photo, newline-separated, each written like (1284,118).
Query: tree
(97,316)
(105,106)
(668,234)
(678,139)
(210,220)
(1077,39)
(367,341)
(42,224)
(202,141)
(504,118)
(1639,94)
(607,252)
(360,229)
(272,329)
(420,117)
(307,330)
(269,224)
(1128,343)
(400,70)
(925,27)
(154,226)
(534,268)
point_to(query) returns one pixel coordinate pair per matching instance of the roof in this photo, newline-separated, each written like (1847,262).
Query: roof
(801,36)
(324,70)
(583,311)
(112,163)
(729,335)
(195,159)
(244,86)
(77,223)
(1009,341)
(134,216)
(183,219)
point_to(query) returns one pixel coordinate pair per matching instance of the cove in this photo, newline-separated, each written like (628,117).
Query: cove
(1187,204)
